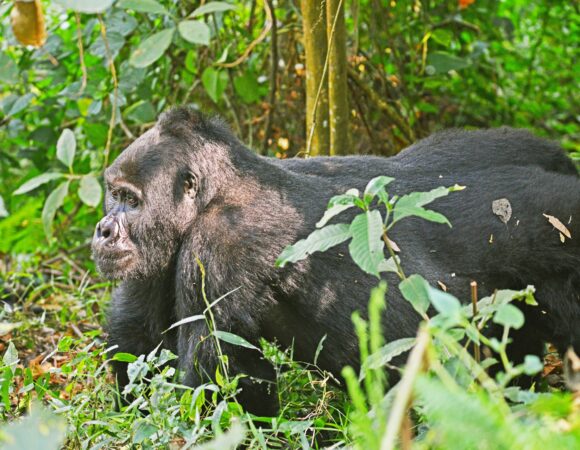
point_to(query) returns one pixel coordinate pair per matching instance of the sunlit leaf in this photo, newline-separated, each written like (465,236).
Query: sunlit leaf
(86,6)
(66,147)
(152,48)
(366,247)
(509,316)
(90,191)
(211,7)
(54,201)
(318,241)
(146,6)
(33,183)
(3,210)
(194,31)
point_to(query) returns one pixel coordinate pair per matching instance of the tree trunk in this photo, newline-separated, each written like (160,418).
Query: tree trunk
(337,78)
(315,47)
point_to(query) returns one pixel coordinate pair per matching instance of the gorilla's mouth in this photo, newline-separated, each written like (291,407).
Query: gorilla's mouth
(114,263)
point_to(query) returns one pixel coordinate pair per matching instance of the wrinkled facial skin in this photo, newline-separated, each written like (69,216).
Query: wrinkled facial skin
(146,207)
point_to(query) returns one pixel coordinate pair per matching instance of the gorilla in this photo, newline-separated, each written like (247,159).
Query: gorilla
(190,211)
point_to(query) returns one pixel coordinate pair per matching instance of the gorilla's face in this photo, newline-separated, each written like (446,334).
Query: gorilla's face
(150,200)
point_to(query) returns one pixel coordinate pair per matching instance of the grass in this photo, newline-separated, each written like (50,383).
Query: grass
(55,375)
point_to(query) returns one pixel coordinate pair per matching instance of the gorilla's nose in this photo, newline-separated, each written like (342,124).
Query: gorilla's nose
(107,230)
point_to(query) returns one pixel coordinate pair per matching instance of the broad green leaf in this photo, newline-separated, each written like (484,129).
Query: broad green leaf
(10,357)
(339,203)
(386,353)
(412,205)
(509,316)
(141,112)
(3,210)
(194,31)
(66,147)
(331,212)
(445,304)
(124,357)
(143,430)
(532,364)
(54,201)
(366,247)
(415,289)
(212,7)
(318,241)
(443,36)
(377,184)
(444,62)
(146,6)
(20,104)
(247,87)
(86,6)
(233,339)
(389,265)
(214,82)
(90,191)
(33,183)
(152,48)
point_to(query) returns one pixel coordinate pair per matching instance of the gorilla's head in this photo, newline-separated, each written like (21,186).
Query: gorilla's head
(155,190)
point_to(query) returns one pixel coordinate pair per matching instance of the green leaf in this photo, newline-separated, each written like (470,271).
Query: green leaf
(337,204)
(442,36)
(389,265)
(212,7)
(415,289)
(152,48)
(124,357)
(3,210)
(318,241)
(8,69)
(247,87)
(145,6)
(54,201)
(412,205)
(444,62)
(141,112)
(509,316)
(66,147)
(33,183)
(233,339)
(86,6)
(20,104)
(386,353)
(90,191)
(214,82)
(366,247)
(532,365)
(194,31)
(445,304)
(376,185)
(142,431)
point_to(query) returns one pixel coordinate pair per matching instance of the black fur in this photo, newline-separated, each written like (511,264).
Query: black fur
(248,208)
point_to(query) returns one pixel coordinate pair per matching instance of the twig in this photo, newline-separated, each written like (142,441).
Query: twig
(260,38)
(81,55)
(115,90)
(273,78)
(388,110)
(415,365)
(476,349)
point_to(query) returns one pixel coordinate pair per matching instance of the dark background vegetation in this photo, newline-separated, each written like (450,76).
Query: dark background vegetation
(411,67)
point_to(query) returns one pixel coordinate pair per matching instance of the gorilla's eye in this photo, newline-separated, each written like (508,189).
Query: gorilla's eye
(131,200)
(114,194)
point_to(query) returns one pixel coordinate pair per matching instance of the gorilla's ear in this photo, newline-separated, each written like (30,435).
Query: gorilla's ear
(190,185)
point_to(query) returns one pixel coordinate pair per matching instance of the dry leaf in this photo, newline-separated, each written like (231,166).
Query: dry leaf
(502,208)
(393,245)
(28,22)
(555,222)
(442,286)
(572,370)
